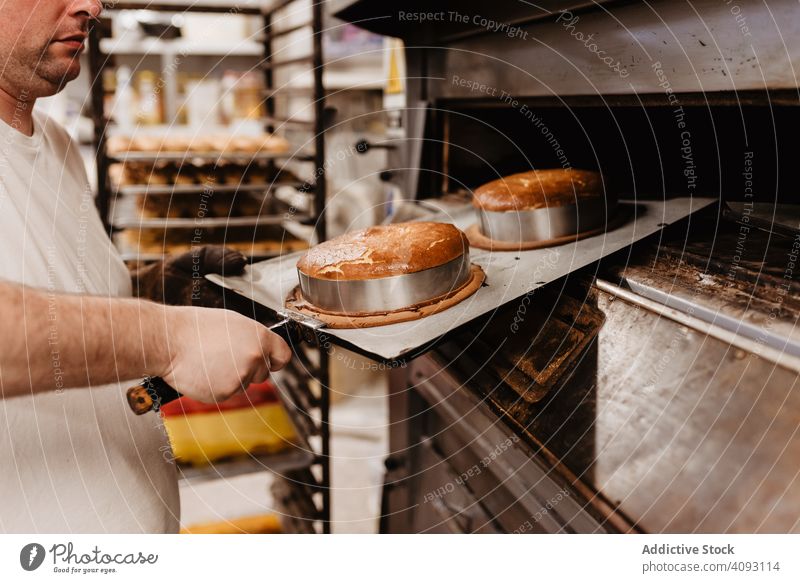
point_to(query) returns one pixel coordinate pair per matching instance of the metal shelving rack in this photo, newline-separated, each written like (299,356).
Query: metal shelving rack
(303,488)
(298,491)
(108,194)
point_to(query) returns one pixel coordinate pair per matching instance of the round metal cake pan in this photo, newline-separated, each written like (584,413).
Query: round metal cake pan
(544,224)
(385,294)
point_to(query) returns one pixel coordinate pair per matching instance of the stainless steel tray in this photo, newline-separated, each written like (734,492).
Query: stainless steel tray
(508,276)
(385,293)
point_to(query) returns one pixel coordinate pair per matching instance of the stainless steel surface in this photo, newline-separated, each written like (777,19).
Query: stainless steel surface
(518,484)
(296,327)
(385,293)
(775,218)
(779,345)
(652,34)
(508,276)
(544,223)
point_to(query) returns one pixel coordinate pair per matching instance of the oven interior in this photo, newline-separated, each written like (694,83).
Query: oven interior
(726,149)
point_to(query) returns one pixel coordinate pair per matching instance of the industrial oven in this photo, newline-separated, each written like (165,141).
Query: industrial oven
(653,390)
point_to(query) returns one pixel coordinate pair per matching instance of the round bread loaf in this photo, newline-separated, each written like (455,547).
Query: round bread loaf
(384,251)
(538,189)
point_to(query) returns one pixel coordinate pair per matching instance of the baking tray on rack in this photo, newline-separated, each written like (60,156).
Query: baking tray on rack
(246,157)
(509,275)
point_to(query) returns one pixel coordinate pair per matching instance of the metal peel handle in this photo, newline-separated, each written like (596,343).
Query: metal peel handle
(153,392)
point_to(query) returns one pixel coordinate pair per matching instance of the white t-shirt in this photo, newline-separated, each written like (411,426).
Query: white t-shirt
(76,460)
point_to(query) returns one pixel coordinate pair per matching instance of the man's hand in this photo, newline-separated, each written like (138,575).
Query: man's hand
(215,353)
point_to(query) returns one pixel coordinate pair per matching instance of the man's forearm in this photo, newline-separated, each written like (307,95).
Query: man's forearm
(57,341)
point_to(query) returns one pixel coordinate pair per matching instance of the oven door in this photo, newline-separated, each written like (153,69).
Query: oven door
(472,473)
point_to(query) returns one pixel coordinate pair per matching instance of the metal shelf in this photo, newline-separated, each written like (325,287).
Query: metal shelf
(309,123)
(155,46)
(276,6)
(127,214)
(289,90)
(287,62)
(164,190)
(129,256)
(294,458)
(208,156)
(271,35)
(181,223)
(336,80)
(181,7)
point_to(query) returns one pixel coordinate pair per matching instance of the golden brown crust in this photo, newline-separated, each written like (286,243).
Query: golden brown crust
(538,189)
(384,251)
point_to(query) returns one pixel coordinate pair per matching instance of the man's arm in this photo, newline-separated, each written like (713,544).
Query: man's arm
(59,341)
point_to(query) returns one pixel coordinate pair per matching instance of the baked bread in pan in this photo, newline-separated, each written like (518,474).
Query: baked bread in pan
(538,189)
(384,251)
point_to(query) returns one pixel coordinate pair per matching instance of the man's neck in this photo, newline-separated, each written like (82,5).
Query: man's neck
(17,111)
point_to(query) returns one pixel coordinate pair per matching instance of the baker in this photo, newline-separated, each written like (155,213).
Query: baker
(74,458)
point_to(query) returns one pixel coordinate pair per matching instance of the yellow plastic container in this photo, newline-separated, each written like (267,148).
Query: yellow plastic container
(262,524)
(202,438)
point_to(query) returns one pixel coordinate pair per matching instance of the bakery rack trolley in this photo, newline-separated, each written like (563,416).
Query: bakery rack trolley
(311,408)
(302,478)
